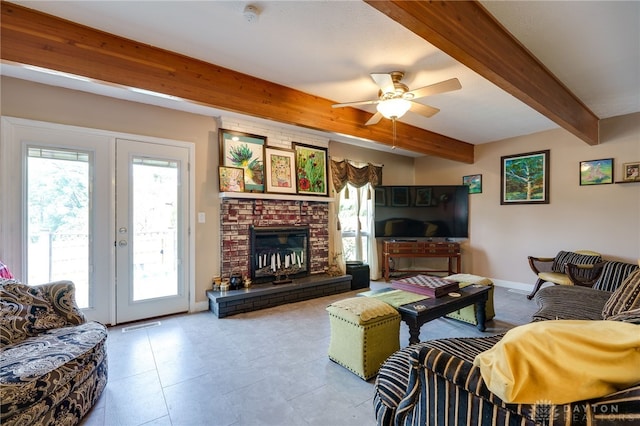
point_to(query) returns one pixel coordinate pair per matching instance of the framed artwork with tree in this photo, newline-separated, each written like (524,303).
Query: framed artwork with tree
(524,178)
(311,169)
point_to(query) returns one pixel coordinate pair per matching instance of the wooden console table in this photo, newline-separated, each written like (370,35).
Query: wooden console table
(397,249)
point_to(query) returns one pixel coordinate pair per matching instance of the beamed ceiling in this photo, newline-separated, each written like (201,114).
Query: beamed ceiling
(463,30)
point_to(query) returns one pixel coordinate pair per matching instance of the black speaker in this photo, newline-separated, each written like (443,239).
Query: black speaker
(359,273)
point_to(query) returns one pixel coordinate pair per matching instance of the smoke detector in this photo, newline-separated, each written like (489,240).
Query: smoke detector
(250,13)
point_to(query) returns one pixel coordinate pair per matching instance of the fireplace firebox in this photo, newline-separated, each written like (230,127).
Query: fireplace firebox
(279,254)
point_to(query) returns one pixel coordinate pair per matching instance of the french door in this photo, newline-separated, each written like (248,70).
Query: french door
(109,213)
(151,199)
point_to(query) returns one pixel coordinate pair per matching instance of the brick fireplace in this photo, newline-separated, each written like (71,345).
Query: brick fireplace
(237,215)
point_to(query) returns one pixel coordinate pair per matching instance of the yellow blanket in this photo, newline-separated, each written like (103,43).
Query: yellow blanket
(562,361)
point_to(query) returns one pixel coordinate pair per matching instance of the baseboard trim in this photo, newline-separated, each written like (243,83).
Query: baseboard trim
(200,306)
(513,284)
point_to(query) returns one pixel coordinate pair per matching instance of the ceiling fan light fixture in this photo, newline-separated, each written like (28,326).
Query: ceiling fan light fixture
(393,108)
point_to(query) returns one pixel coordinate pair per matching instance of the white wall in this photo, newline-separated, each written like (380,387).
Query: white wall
(603,218)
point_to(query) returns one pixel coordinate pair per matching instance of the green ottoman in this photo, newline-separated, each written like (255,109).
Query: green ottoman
(468,313)
(364,333)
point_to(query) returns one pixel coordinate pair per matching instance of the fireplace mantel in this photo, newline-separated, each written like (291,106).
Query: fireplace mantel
(272,196)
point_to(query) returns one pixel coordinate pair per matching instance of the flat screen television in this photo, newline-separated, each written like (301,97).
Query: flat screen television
(422,212)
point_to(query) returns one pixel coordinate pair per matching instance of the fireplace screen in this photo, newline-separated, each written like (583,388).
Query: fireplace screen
(279,253)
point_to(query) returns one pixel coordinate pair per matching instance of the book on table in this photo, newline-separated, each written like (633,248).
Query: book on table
(427,285)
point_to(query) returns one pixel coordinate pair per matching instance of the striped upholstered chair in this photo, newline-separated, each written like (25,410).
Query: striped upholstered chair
(552,269)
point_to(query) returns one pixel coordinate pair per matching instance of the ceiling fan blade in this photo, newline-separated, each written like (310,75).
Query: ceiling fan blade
(434,89)
(384,82)
(348,104)
(374,119)
(425,110)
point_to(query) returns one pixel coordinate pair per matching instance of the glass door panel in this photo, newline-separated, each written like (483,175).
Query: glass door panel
(155,239)
(58,215)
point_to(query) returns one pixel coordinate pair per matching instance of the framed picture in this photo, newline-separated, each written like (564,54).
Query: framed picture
(231,179)
(423,196)
(380,197)
(631,171)
(596,172)
(246,151)
(524,178)
(311,169)
(280,170)
(474,182)
(399,196)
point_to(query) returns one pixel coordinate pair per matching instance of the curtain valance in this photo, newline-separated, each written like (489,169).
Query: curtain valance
(343,172)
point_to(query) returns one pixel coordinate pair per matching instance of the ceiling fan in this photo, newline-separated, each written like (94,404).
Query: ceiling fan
(395,98)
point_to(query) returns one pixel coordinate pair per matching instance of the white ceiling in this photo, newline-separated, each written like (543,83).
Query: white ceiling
(328,49)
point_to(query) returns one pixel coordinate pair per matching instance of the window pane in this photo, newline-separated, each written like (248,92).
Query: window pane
(58,218)
(354,220)
(349,248)
(155,216)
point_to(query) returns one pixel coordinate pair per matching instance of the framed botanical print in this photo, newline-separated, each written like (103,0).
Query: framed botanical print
(231,179)
(280,170)
(311,169)
(524,178)
(245,151)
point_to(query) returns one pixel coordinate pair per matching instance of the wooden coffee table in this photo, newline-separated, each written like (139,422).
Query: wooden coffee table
(418,313)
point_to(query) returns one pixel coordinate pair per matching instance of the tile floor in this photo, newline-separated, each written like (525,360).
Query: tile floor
(268,367)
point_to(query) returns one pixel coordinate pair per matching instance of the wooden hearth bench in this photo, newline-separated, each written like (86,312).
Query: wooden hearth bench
(262,296)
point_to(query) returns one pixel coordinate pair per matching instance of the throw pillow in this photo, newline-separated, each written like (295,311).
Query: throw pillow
(564,257)
(613,274)
(26,311)
(625,298)
(632,316)
(562,361)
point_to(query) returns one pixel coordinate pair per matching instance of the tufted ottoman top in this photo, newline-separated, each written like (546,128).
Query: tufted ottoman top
(361,310)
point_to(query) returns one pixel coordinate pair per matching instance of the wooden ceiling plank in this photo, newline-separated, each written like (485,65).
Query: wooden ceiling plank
(34,38)
(466,31)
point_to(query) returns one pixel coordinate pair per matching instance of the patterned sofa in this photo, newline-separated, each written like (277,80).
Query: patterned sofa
(436,382)
(53,363)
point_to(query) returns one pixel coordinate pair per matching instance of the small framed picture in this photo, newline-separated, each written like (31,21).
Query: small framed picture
(399,196)
(474,182)
(231,179)
(631,171)
(280,170)
(596,172)
(423,196)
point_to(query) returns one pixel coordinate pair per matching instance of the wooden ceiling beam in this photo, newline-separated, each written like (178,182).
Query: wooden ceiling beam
(34,38)
(467,32)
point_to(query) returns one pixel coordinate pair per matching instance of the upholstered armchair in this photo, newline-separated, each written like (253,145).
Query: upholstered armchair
(553,270)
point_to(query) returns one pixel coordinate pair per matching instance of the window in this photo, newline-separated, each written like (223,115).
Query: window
(355,216)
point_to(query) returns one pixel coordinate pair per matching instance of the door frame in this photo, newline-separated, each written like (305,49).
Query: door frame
(12,193)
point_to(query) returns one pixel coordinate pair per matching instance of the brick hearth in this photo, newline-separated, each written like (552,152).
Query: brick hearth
(237,215)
